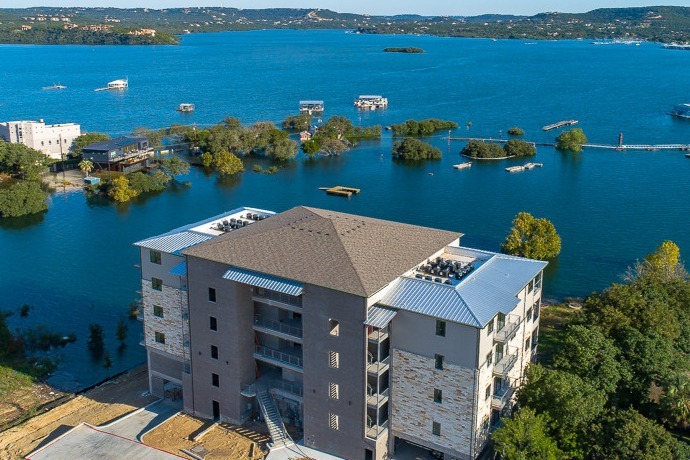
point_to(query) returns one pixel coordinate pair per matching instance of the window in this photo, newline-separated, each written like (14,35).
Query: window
(155,257)
(537,307)
(334,359)
(537,283)
(530,287)
(438,395)
(501,321)
(213,323)
(158,311)
(487,393)
(528,316)
(490,327)
(436,428)
(440,328)
(333,327)
(159,337)
(157,284)
(527,343)
(211,294)
(215,380)
(332,421)
(489,358)
(535,337)
(214,352)
(438,362)
(333,390)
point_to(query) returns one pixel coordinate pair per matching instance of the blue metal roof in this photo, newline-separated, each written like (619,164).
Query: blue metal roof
(378,316)
(262,280)
(482,294)
(114,144)
(180,269)
(174,243)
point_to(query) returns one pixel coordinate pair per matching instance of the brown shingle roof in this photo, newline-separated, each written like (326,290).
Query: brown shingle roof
(348,253)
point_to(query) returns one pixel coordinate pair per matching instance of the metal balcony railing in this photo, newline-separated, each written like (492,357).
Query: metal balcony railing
(277,326)
(378,335)
(295,301)
(287,387)
(501,397)
(374,431)
(378,399)
(505,364)
(508,330)
(278,356)
(378,367)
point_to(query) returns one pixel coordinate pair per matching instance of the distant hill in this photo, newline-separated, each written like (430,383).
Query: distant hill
(124,26)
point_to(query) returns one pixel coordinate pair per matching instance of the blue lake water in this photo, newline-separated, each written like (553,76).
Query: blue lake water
(74,264)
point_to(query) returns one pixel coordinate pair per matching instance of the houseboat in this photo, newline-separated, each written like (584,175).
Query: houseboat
(681,111)
(115,85)
(311,106)
(371,102)
(185,108)
(467,164)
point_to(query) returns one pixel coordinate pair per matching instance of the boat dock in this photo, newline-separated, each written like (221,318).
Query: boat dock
(560,124)
(467,164)
(619,146)
(526,166)
(312,106)
(340,190)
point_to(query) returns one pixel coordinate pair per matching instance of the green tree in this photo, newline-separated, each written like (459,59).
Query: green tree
(299,122)
(518,148)
(414,149)
(524,437)
(675,401)
(571,141)
(154,137)
(311,147)
(516,132)
(588,353)
(121,332)
(531,237)
(23,198)
(422,127)
(174,166)
(331,146)
(282,149)
(227,164)
(206,160)
(85,139)
(96,338)
(86,166)
(21,161)
(664,263)
(480,149)
(121,190)
(142,182)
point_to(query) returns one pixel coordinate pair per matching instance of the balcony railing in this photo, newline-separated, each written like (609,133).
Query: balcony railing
(378,367)
(507,332)
(277,326)
(374,431)
(267,294)
(501,397)
(378,335)
(287,387)
(278,357)
(250,390)
(505,364)
(378,399)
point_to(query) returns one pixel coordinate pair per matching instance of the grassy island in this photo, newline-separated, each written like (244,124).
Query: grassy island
(414,149)
(410,49)
(514,148)
(422,127)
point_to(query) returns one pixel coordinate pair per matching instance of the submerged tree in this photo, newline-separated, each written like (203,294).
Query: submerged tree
(532,237)
(174,166)
(96,338)
(571,141)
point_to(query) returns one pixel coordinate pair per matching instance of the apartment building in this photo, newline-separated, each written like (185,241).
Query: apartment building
(365,334)
(53,140)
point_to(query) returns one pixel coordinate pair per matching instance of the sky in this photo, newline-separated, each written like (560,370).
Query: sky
(374,7)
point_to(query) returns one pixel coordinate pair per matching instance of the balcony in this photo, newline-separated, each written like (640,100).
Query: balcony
(377,335)
(378,399)
(378,367)
(277,386)
(507,332)
(278,299)
(505,364)
(501,397)
(291,360)
(285,329)
(374,431)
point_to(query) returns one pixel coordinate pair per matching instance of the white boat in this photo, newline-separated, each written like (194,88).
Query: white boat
(371,102)
(681,111)
(513,169)
(467,164)
(185,107)
(116,85)
(55,86)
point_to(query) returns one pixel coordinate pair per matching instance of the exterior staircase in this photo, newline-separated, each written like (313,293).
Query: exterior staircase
(274,422)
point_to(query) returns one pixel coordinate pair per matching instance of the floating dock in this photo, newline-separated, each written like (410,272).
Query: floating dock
(560,124)
(340,190)
(467,164)
(524,167)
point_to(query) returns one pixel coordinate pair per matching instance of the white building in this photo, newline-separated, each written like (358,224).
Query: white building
(53,140)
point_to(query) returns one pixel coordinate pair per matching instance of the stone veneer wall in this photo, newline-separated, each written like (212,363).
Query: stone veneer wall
(172,301)
(413,409)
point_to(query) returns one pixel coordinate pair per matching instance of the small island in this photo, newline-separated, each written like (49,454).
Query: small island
(410,49)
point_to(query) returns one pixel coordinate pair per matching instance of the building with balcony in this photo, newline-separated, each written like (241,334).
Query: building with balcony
(363,333)
(124,154)
(53,140)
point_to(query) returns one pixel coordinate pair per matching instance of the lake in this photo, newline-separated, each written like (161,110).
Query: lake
(75,264)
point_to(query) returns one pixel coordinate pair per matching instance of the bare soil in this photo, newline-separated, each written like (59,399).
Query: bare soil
(221,441)
(101,405)
(25,401)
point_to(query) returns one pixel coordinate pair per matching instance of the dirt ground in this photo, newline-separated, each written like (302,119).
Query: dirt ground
(221,441)
(73,182)
(21,402)
(103,404)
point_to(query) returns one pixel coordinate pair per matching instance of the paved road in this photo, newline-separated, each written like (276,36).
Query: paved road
(138,423)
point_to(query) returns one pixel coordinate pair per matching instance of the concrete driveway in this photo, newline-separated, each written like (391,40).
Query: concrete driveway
(134,425)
